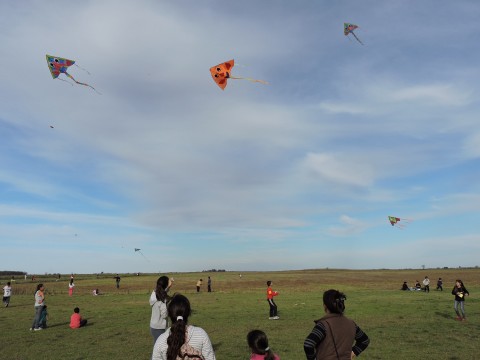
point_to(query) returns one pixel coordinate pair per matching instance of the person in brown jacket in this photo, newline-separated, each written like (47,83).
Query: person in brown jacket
(335,337)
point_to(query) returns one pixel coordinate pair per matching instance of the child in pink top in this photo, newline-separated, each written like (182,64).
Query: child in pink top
(76,320)
(258,343)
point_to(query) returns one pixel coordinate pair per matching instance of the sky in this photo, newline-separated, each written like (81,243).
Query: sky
(298,173)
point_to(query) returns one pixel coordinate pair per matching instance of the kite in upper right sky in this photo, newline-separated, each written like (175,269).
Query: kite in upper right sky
(348,29)
(395,221)
(222,72)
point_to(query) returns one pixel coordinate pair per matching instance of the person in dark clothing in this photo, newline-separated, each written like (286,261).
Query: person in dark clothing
(440,284)
(334,334)
(460,292)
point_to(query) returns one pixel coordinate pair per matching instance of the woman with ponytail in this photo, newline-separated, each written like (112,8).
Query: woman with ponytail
(258,342)
(335,336)
(181,340)
(158,302)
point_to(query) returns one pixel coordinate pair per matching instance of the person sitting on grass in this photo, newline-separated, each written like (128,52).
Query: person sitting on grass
(76,320)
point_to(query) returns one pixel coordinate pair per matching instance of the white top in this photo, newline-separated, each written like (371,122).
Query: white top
(196,337)
(7,291)
(426,282)
(159,313)
(72,285)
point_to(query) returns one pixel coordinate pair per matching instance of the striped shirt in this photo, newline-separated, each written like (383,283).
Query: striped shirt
(196,337)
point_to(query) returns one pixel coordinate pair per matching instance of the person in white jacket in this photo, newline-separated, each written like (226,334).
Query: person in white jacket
(158,302)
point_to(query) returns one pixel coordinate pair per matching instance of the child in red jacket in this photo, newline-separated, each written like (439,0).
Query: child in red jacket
(76,320)
(273,306)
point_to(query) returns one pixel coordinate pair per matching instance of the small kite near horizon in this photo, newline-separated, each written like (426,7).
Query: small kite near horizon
(58,65)
(395,221)
(222,72)
(348,29)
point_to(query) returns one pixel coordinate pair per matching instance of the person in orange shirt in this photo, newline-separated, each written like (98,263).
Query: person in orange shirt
(76,320)
(273,306)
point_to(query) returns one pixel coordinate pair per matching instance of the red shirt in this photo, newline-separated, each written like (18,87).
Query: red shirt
(271,293)
(75,321)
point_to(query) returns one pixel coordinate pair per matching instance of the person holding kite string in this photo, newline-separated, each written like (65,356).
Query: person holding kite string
(158,302)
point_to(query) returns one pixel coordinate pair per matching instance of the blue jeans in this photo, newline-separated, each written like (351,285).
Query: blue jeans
(36,319)
(462,308)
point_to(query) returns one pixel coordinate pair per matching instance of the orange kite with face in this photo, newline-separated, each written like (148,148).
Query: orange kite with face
(221,72)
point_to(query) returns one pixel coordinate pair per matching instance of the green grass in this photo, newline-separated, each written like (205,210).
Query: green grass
(401,325)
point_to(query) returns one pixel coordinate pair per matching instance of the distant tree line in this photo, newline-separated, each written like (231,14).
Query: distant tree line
(6,272)
(214,270)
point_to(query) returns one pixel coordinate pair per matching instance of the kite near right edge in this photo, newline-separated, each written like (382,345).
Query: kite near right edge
(348,29)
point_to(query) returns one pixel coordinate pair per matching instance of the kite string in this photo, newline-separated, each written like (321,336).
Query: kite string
(249,79)
(83,69)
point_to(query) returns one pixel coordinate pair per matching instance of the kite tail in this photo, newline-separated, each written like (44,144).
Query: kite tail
(356,37)
(65,81)
(83,69)
(84,84)
(250,79)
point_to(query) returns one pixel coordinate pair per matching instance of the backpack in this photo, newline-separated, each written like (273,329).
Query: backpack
(188,352)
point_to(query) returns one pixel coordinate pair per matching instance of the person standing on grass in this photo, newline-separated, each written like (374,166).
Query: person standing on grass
(71,285)
(271,303)
(76,320)
(460,292)
(7,292)
(334,334)
(39,303)
(440,284)
(158,302)
(117,281)
(258,342)
(426,284)
(199,283)
(181,338)
(209,284)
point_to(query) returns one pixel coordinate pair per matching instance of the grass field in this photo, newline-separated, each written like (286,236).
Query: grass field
(401,325)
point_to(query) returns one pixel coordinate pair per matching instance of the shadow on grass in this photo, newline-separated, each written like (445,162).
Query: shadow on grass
(443,315)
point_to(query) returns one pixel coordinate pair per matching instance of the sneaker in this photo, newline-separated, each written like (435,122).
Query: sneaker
(31,329)
(271,318)
(458,318)
(37,329)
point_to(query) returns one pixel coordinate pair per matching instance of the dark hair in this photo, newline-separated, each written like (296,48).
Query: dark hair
(269,283)
(460,281)
(257,341)
(71,281)
(178,306)
(39,286)
(76,310)
(161,289)
(8,283)
(334,300)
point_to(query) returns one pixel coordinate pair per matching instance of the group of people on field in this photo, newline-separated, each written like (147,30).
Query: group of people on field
(334,333)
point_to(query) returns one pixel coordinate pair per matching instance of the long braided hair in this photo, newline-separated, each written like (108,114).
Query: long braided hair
(161,289)
(178,310)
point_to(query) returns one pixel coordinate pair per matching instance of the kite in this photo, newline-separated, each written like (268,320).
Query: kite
(221,73)
(395,221)
(140,252)
(58,65)
(348,29)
